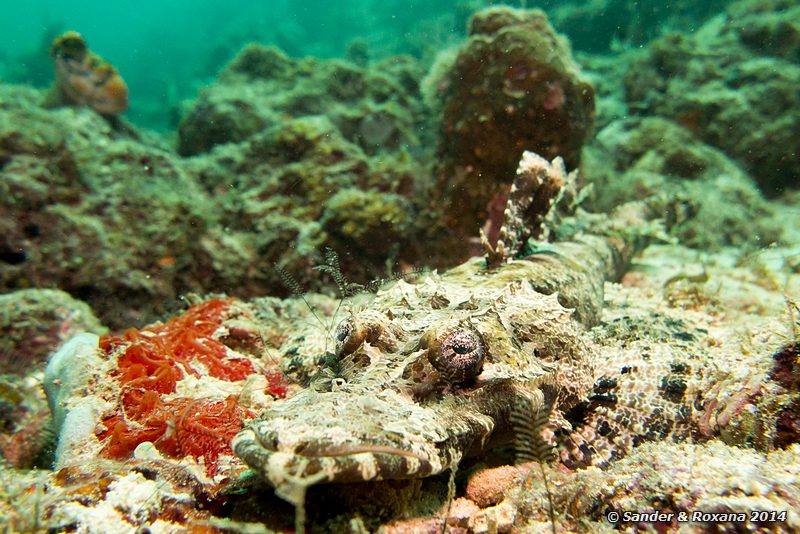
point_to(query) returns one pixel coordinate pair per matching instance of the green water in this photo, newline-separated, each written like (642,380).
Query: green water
(167,50)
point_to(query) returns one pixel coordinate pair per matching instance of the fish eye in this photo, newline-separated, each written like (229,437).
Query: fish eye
(458,354)
(349,336)
(344,329)
(366,327)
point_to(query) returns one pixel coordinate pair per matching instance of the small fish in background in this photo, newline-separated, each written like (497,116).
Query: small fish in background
(84,78)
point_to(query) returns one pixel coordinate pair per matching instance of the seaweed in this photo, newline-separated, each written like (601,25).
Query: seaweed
(150,362)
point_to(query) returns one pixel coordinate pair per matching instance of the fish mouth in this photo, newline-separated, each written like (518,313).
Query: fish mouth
(321,461)
(333,451)
(330,437)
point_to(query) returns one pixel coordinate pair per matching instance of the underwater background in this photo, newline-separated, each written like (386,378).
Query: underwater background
(265,126)
(168,50)
(194,194)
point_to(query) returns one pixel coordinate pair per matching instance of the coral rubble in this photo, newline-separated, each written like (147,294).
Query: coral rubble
(100,213)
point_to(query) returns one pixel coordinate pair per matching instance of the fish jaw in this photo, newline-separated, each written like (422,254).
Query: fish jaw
(318,438)
(332,437)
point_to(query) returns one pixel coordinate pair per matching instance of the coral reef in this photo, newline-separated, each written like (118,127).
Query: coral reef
(512,86)
(94,212)
(636,158)
(84,78)
(319,155)
(733,84)
(375,107)
(376,224)
(412,392)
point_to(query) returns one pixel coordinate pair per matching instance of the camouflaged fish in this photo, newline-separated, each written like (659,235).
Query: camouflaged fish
(426,374)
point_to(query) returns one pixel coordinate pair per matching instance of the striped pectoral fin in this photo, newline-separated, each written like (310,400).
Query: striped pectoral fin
(594,431)
(600,430)
(597,444)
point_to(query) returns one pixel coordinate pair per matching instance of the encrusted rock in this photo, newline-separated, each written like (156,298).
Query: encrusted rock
(96,212)
(488,486)
(35,322)
(376,107)
(461,510)
(512,86)
(124,224)
(636,158)
(303,187)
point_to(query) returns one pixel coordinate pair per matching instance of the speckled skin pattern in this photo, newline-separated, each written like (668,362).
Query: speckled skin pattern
(639,392)
(387,410)
(391,413)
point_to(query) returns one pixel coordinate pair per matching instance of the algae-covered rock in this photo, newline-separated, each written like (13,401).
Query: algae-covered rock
(88,208)
(299,187)
(35,322)
(512,86)
(637,158)
(374,222)
(304,154)
(734,84)
(767,27)
(597,25)
(376,107)
(117,219)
